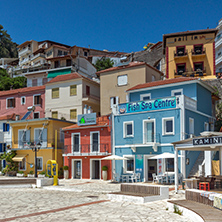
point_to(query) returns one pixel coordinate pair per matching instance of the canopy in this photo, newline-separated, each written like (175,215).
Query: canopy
(114,157)
(18,158)
(164,156)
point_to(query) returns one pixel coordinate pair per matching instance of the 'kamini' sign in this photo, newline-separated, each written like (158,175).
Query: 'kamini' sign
(207,141)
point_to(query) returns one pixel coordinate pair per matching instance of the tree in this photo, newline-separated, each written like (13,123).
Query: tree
(7,47)
(103,63)
(7,83)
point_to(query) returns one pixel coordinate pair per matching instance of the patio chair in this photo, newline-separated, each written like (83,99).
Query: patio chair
(156,178)
(137,177)
(132,178)
(116,177)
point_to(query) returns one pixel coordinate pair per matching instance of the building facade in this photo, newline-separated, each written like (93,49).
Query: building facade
(85,145)
(115,81)
(218,49)
(157,114)
(190,53)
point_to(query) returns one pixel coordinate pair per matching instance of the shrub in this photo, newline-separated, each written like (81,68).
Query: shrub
(177,210)
(42,173)
(104,168)
(21,172)
(65,168)
(31,172)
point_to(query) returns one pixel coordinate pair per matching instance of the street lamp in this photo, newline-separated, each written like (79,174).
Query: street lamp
(35,148)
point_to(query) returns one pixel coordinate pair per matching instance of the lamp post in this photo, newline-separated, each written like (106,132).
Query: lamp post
(35,148)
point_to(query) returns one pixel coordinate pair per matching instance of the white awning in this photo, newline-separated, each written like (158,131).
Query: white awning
(18,158)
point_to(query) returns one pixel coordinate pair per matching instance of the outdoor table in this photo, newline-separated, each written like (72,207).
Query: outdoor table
(126,177)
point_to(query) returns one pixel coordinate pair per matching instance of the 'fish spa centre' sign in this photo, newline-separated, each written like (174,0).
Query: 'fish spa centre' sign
(149,105)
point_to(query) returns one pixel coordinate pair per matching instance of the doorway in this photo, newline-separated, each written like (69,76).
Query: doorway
(152,168)
(77,169)
(95,169)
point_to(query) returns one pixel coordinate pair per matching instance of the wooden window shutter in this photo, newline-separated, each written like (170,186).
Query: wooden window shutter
(73,90)
(73,114)
(55,93)
(55,115)
(13,102)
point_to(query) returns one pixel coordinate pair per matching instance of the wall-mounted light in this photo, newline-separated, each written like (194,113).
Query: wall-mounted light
(187,161)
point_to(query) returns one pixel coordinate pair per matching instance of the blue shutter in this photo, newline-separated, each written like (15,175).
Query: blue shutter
(4,163)
(7,127)
(4,128)
(0,147)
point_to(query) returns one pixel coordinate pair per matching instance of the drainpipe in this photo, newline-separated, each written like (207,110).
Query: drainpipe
(176,168)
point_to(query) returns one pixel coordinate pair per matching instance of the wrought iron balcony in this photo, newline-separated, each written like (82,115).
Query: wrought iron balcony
(180,53)
(198,51)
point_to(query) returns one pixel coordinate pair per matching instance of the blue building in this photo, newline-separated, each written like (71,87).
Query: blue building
(157,114)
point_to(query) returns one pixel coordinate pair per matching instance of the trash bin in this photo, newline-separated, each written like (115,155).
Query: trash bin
(183,185)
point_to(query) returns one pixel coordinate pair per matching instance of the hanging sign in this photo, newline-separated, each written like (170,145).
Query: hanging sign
(207,141)
(87,119)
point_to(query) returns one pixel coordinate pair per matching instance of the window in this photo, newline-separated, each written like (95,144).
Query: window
(68,62)
(145,96)
(59,52)
(191,126)
(177,92)
(39,163)
(198,67)
(75,142)
(73,114)
(181,68)
(94,141)
(169,164)
(6,127)
(57,64)
(10,103)
(22,165)
(114,101)
(55,93)
(129,164)
(55,114)
(65,53)
(34,82)
(36,115)
(198,49)
(85,53)
(73,90)
(154,77)
(128,130)
(168,126)
(23,100)
(2,147)
(37,99)
(122,80)
(211,127)
(38,135)
(180,51)
(87,90)
(149,131)
(206,126)
(23,138)
(44,81)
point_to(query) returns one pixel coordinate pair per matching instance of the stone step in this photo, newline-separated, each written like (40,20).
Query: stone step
(17,181)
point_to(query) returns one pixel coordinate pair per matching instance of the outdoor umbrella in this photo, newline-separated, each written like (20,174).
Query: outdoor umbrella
(114,157)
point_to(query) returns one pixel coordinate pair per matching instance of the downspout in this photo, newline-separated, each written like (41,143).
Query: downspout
(183,153)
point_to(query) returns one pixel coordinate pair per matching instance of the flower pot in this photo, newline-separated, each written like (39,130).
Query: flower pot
(31,175)
(104,173)
(66,174)
(41,176)
(20,174)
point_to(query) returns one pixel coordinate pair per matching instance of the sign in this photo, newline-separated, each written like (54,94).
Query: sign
(87,119)
(148,105)
(160,166)
(139,163)
(207,141)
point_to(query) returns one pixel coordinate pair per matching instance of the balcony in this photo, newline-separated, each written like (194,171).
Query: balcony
(198,52)
(90,98)
(24,61)
(190,73)
(40,55)
(218,60)
(88,149)
(218,41)
(190,103)
(180,54)
(25,51)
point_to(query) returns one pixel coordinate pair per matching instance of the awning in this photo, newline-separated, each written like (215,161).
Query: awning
(52,74)
(18,158)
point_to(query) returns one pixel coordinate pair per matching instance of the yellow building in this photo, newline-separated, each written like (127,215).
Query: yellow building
(190,53)
(41,132)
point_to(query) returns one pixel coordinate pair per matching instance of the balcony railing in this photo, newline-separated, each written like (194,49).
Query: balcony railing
(180,53)
(91,96)
(87,149)
(26,50)
(198,51)
(190,73)
(148,138)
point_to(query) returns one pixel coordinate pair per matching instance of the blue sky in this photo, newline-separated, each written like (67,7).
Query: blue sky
(113,25)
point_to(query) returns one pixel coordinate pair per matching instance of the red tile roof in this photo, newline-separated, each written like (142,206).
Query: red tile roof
(130,65)
(22,90)
(70,76)
(162,82)
(100,121)
(8,117)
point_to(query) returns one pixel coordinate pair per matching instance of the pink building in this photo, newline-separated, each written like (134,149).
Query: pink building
(18,100)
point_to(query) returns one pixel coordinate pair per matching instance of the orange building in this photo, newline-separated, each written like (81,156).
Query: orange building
(84,146)
(190,53)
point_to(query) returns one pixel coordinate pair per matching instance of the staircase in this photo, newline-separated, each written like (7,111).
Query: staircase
(195,171)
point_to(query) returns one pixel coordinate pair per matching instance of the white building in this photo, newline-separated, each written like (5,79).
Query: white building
(218,48)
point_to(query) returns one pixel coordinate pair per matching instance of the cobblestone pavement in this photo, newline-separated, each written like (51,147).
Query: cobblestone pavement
(78,200)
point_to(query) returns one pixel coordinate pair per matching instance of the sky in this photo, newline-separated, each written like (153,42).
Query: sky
(124,25)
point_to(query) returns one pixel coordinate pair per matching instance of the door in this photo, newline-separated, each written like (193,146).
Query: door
(77,169)
(95,170)
(149,132)
(152,168)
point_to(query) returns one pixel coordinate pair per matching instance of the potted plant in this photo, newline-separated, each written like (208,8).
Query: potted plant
(53,144)
(20,174)
(104,172)
(41,174)
(31,174)
(66,172)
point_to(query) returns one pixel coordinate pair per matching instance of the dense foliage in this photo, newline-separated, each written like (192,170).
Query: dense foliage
(7,47)
(11,165)
(103,63)
(7,83)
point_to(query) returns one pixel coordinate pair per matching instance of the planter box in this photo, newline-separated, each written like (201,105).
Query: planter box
(104,173)
(31,175)
(20,174)
(44,182)
(66,174)
(41,176)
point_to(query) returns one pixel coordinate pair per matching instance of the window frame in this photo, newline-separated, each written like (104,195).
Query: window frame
(125,163)
(116,103)
(122,76)
(36,113)
(125,128)
(54,113)
(70,113)
(23,97)
(154,131)
(145,95)
(40,157)
(206,124)
(53,89)
(34,100)
(22,169)
(91,140)
(13,98)
(72,142)
(164,133)
(176,91)
(70,90)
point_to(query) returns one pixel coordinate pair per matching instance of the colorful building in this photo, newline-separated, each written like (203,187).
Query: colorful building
(157,114)
(17,101)
(218,50)
(37,131)
(190,53)
(85,145)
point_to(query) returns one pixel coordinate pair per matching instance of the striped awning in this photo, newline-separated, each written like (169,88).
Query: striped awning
(18,158)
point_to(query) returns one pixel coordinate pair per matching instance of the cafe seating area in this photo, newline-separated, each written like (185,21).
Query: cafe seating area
(133,178)
(166,178)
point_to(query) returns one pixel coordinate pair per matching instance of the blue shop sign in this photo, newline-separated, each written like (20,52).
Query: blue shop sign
(142,106)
